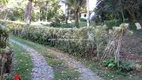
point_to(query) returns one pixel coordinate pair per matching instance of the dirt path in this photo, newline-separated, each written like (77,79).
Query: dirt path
(40,70)
(86,73)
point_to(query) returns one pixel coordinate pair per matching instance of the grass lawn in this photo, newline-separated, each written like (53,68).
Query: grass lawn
(22,63)
(61,72)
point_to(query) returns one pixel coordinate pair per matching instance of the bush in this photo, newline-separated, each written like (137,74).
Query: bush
(55,24)
(75,41)
(124,66)
(63,25)
(12,14)
(83,19)
(3,36)
(71,40)
(110,63)
(14,27)
(5,52)
(112,23)
(132,26)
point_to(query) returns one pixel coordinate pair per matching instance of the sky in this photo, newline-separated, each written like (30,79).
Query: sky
(92,4)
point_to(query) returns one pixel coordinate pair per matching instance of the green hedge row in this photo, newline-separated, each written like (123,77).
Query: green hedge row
(14,27)
(72,40)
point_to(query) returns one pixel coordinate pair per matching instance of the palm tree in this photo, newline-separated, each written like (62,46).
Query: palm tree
(76,5)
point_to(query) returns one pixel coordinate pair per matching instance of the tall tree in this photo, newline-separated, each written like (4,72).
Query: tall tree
(131,6)
(27,15)
(127,8)
(76,6)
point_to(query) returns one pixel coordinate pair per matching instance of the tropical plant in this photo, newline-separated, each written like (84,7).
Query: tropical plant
(76,6)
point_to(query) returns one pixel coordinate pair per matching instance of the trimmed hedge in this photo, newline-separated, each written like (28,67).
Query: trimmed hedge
(14,27)
(72,40)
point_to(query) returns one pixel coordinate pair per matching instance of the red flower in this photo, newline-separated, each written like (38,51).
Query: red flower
(17,77)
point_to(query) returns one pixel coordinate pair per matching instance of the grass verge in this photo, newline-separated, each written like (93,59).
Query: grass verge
(22,62)
(61,72)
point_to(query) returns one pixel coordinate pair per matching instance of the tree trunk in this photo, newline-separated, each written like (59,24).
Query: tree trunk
(27,15)
(122,13)
(132,15)
(76,18)
(88,13)
(66,14)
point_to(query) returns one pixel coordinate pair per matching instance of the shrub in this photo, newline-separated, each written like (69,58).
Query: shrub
(132,26)
(70,40)
(5,53)
(55,24)
(75,41)
(124,66)
(3,37)
(110,63)
(111,23)
(14,27)
(83,19)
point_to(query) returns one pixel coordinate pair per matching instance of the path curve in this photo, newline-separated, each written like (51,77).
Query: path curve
(86,73)
(40,70)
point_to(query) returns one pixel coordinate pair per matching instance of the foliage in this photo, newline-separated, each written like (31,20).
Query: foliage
(55,24)
(12,14)
(82,19)
(16,14)
(62,25)
(115,41)
(110,63)
(76,41)
(69,40)
(124,66)
(13,27)
(132,26)
(54,14)
(76,6)
(119,9)
(3,37)
(111,23)
(72,40)
(5,53)
(101,38)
